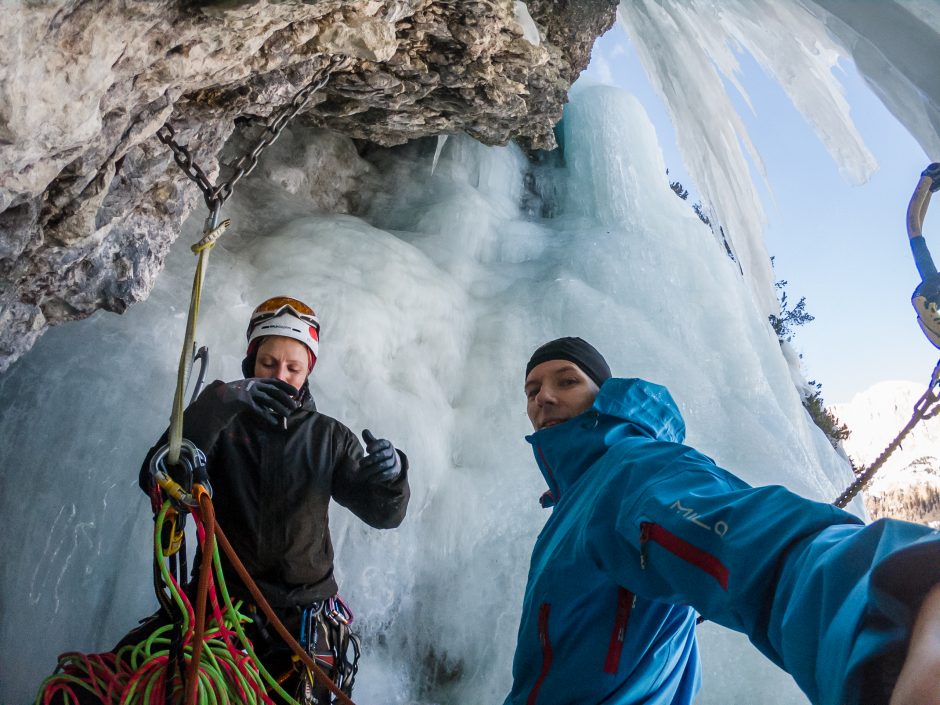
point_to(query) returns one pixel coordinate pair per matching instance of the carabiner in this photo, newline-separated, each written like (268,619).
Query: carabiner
(926,297)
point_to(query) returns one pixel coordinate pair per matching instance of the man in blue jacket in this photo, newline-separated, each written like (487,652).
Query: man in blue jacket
(647,533)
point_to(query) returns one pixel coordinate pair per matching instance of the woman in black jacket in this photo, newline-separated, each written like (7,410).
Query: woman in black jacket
(274,463)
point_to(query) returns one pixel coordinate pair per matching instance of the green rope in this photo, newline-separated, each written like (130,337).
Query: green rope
(137,675)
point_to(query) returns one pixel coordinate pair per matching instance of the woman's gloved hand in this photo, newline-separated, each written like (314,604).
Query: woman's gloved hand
(270,399)
(381,462)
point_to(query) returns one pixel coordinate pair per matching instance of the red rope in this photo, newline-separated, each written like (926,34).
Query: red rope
(288,638)
(207,539)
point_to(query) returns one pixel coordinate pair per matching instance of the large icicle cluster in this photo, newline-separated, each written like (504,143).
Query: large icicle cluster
(689,50)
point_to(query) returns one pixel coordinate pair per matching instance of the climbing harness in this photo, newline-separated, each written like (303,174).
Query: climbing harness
(259,599)
(926,297)
(926,302)
(326,637)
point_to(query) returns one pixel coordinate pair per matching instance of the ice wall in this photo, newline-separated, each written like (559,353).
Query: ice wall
(430,305)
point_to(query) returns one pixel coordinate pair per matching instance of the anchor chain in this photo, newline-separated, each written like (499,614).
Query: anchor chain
(215,196)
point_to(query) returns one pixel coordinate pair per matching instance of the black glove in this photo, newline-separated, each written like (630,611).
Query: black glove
(381,462)
(268,398)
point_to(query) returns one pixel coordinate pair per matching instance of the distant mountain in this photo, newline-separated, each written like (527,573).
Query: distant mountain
(908,485)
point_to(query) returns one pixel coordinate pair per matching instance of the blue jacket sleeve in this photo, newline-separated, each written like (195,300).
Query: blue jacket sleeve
(818,592)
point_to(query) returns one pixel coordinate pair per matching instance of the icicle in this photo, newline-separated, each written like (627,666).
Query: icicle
(441,141)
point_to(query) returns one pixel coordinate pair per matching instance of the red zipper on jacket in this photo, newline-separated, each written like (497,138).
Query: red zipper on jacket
(625,601)
(683,549)
(546,652)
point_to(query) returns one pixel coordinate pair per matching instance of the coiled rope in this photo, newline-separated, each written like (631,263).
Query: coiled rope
(220,658)
(221,663)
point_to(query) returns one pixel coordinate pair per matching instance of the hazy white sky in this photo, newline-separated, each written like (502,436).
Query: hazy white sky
(843,247)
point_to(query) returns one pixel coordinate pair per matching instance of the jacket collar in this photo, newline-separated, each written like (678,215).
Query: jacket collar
(623,408)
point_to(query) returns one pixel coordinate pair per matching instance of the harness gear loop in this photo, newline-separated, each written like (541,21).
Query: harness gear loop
(327,638)
(926,407)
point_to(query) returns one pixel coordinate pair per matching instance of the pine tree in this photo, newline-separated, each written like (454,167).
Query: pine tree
(784,325)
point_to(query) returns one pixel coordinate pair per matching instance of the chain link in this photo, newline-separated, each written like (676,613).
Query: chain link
(922,410)
(215,196)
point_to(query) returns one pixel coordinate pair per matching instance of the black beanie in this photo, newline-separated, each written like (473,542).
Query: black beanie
(575,350)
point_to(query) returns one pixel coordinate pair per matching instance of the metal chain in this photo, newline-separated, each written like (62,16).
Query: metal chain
(215,196)
(925,408)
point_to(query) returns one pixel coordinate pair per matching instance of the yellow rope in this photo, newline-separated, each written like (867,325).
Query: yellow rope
(202,248)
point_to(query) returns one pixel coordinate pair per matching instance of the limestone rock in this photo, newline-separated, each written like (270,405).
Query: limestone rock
(90,201)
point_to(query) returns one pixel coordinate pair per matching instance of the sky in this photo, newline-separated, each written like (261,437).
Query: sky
(842,246)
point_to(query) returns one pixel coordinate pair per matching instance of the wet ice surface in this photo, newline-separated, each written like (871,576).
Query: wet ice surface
(430,307)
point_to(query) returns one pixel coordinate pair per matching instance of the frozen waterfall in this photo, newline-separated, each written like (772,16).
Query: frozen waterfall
(430,305)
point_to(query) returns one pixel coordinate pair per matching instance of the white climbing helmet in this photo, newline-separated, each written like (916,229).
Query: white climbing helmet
(287,317)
